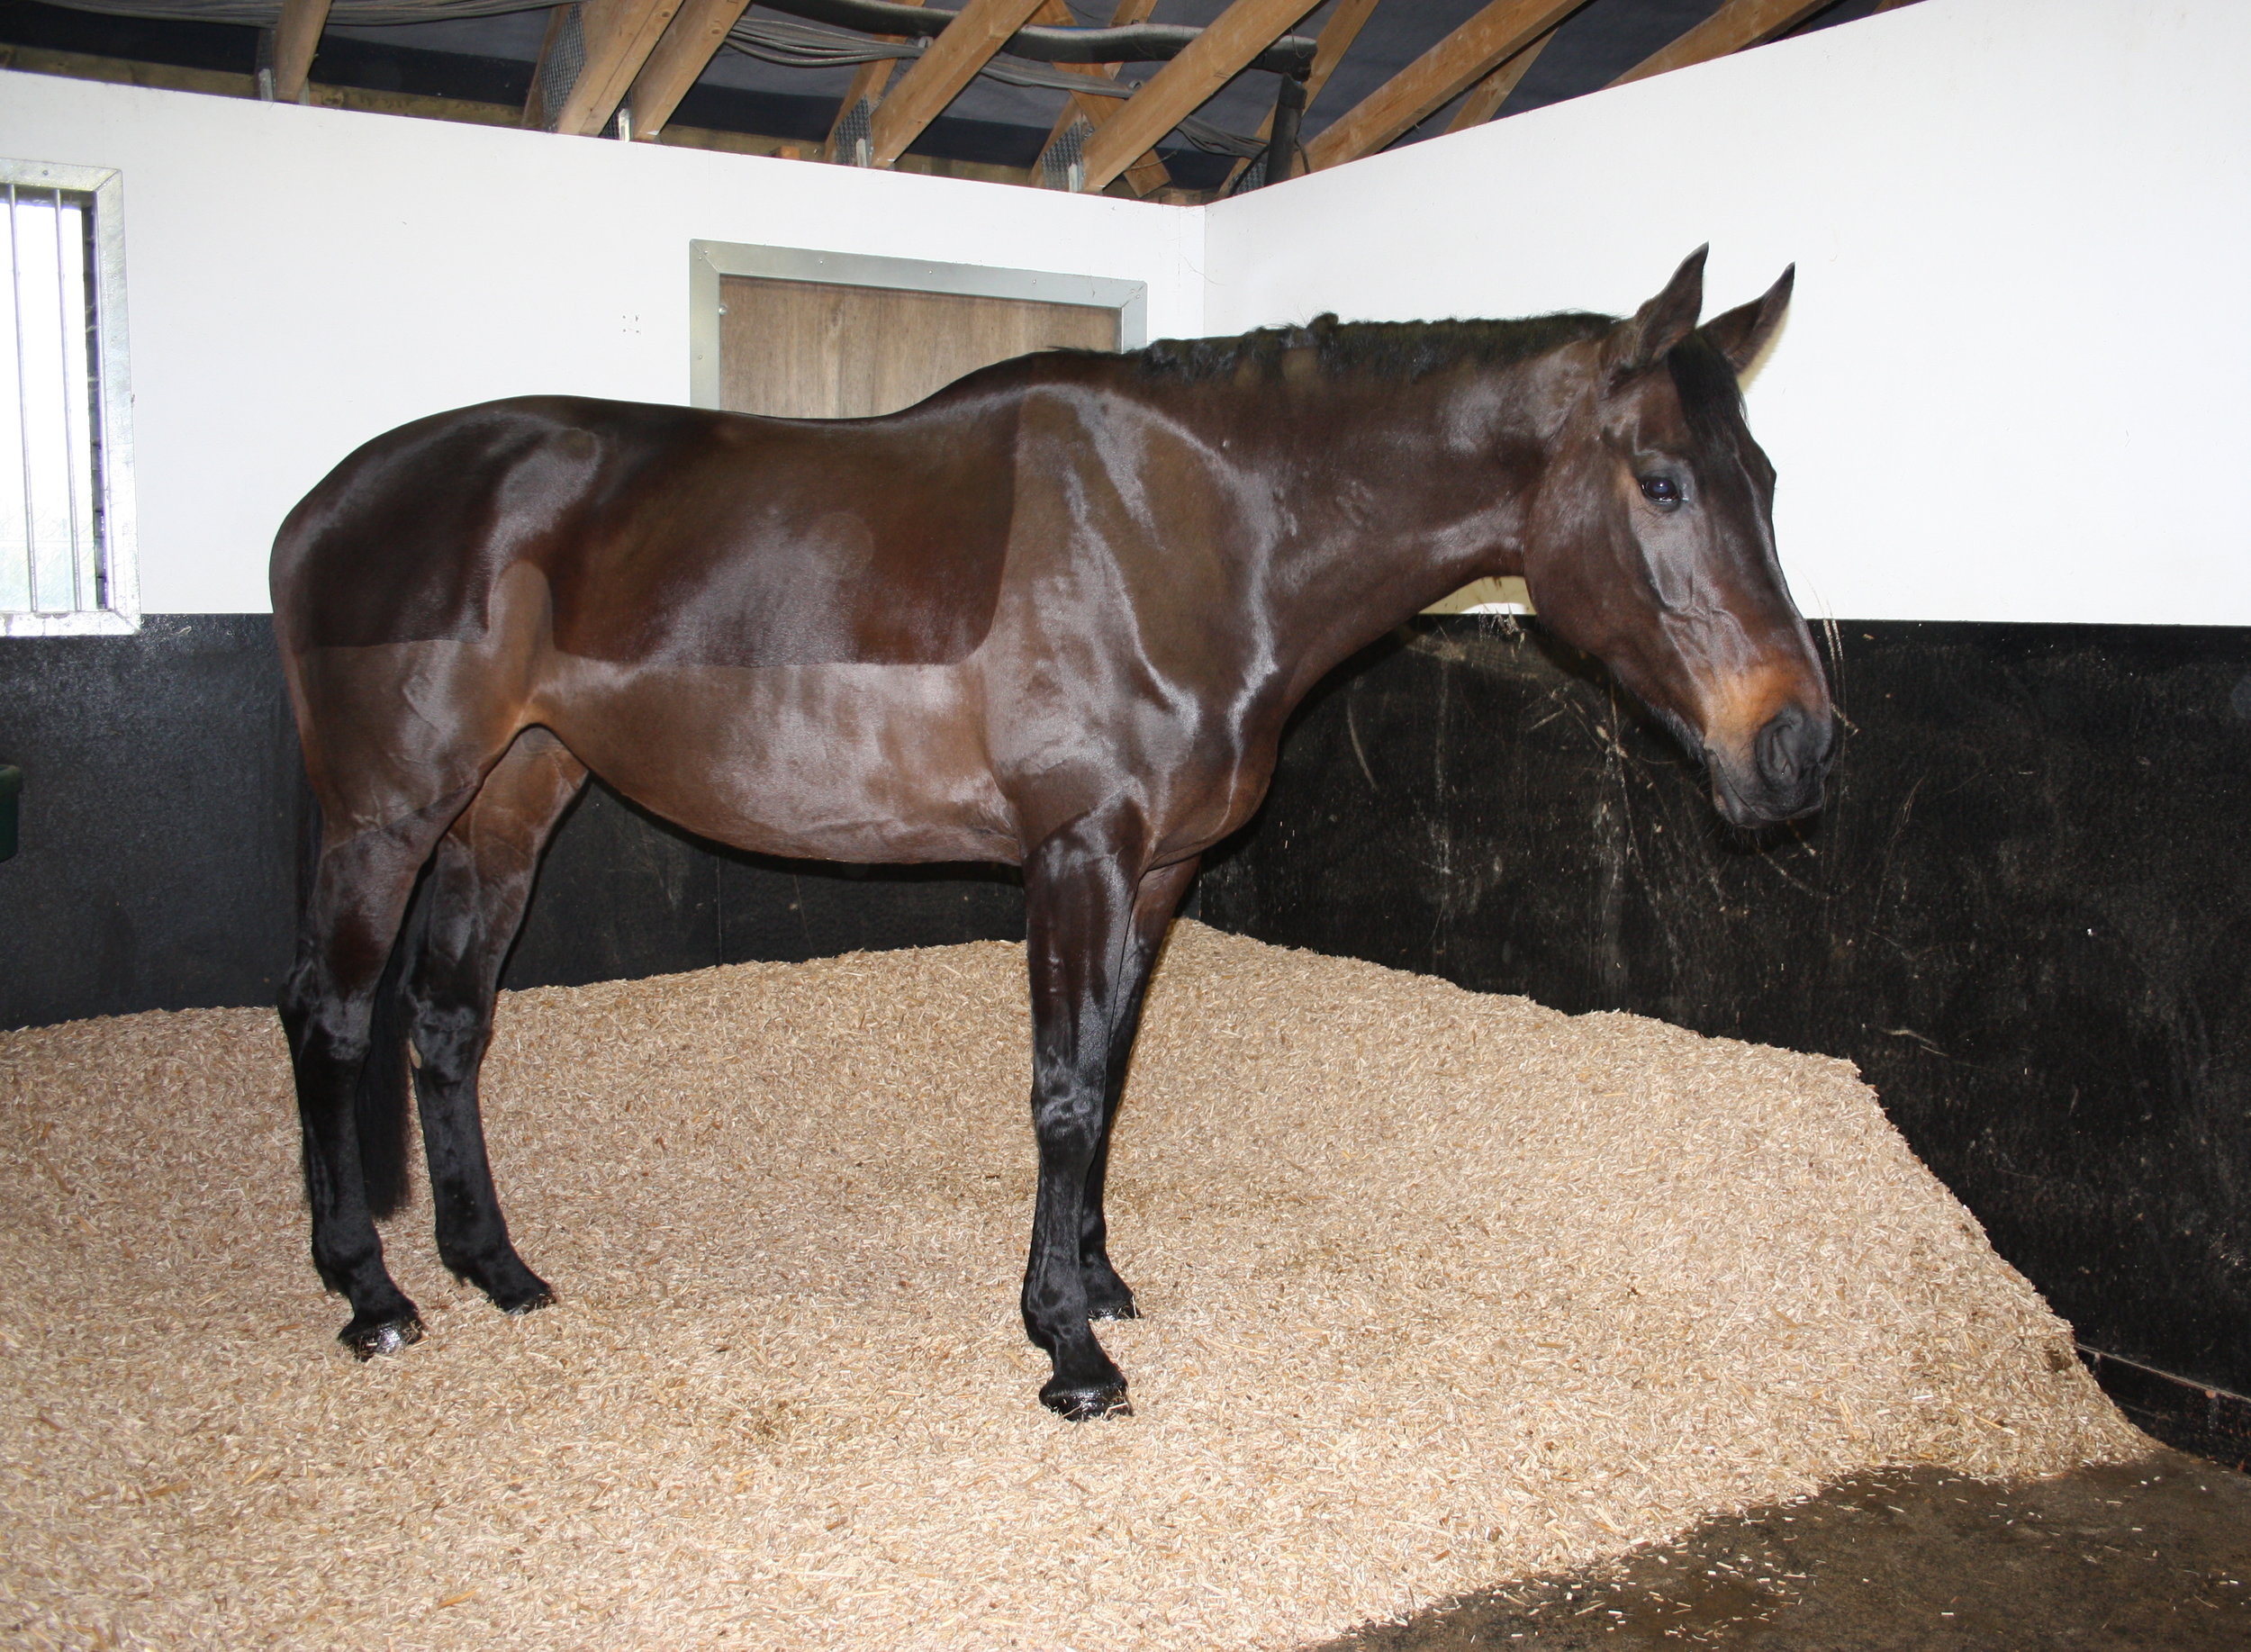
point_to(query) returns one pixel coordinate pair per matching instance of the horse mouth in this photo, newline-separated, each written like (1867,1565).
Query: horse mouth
(1752,814)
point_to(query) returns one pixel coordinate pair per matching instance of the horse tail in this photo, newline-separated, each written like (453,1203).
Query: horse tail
(380,1107)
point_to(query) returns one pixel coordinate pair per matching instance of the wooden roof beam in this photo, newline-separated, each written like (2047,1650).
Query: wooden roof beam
(1186,84)
(1486,98)
(615,38)
(619,36)
(935,78)
(693,38)
(296,37)
(867,88)
(1436,79)
(1148,174)
(1735,25)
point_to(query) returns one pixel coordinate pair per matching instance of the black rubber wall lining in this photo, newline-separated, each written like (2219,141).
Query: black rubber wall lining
(2026,913)
(162,813)
(155,866)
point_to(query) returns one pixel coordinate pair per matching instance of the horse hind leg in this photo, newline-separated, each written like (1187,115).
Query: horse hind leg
(359,896)
(479,883)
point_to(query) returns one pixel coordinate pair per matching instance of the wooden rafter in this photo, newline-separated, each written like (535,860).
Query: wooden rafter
(296,37)
(1485,97)
(867,88)
(1735,25)
(619,35)
(1185,84)
(1148,174)
(697,31)
(1336,39)
(1436,79)
(935,78)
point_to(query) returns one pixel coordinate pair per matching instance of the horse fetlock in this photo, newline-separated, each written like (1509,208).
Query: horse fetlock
(356,1273)
(517,1305)
(510,1287)
(1108,1295)
(501,1275)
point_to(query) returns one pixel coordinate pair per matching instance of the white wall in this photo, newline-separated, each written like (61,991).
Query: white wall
(299,280)
(2014,385)
(2010,388)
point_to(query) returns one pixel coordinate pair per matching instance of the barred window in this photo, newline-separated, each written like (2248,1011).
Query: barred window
(66,512)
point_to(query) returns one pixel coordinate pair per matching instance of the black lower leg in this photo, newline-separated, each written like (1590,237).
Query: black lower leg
(479,883)
(346,1249)
(1109,1296)
(473,1238)
(352,913)
(1086,1383)
(1154,902)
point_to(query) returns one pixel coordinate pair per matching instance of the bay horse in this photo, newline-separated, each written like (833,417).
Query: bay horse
(1055,616)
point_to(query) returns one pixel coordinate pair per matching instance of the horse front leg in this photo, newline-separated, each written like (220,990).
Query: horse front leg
(1155,901)
(1079,887)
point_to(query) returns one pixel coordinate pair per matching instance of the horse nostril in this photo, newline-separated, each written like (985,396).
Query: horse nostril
(1790,748)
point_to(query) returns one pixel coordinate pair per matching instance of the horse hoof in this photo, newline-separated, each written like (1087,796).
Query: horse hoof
(368,1338)
(1081,1405)
(521,1302)
(1119,1307)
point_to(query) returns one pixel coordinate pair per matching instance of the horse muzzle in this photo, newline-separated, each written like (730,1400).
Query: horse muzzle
(1781,776)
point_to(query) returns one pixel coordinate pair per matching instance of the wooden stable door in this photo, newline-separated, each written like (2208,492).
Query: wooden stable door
(812,349)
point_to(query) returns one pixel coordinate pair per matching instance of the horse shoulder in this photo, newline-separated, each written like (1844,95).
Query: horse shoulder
(1134,532)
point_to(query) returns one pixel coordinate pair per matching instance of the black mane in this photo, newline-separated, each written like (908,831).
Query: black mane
(1397,350)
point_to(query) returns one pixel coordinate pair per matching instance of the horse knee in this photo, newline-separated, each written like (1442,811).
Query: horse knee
(1068,1128)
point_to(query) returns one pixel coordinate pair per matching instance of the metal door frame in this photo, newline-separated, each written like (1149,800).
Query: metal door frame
(708,261)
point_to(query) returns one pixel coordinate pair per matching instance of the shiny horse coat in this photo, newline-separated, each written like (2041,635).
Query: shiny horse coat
(1054,616)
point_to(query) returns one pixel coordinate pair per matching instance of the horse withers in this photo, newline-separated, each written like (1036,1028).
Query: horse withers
(1055,615)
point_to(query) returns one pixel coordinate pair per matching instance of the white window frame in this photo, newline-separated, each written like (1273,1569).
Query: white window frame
(118,565)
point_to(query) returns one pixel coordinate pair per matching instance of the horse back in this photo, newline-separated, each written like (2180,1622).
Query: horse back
(665,535)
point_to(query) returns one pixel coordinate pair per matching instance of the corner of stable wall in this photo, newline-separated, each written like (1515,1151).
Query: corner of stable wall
(2021,253)
(302,279)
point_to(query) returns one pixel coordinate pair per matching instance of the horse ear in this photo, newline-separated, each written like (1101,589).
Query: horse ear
(1662,322)
(1741,333)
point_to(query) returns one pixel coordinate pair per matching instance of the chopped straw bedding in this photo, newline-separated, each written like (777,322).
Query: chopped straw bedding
(1442,1288)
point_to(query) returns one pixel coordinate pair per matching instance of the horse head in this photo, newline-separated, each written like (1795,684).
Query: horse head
(1652,547)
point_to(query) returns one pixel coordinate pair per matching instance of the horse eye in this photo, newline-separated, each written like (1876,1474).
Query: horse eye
(1663,492)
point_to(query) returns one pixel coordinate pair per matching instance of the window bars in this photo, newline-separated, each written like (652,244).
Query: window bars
(65,529)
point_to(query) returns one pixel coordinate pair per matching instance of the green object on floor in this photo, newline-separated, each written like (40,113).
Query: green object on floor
(11,784)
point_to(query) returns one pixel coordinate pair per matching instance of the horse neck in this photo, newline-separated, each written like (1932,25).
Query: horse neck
(1403,497)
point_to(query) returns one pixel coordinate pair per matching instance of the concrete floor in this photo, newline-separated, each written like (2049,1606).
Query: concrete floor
(2153,1557)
